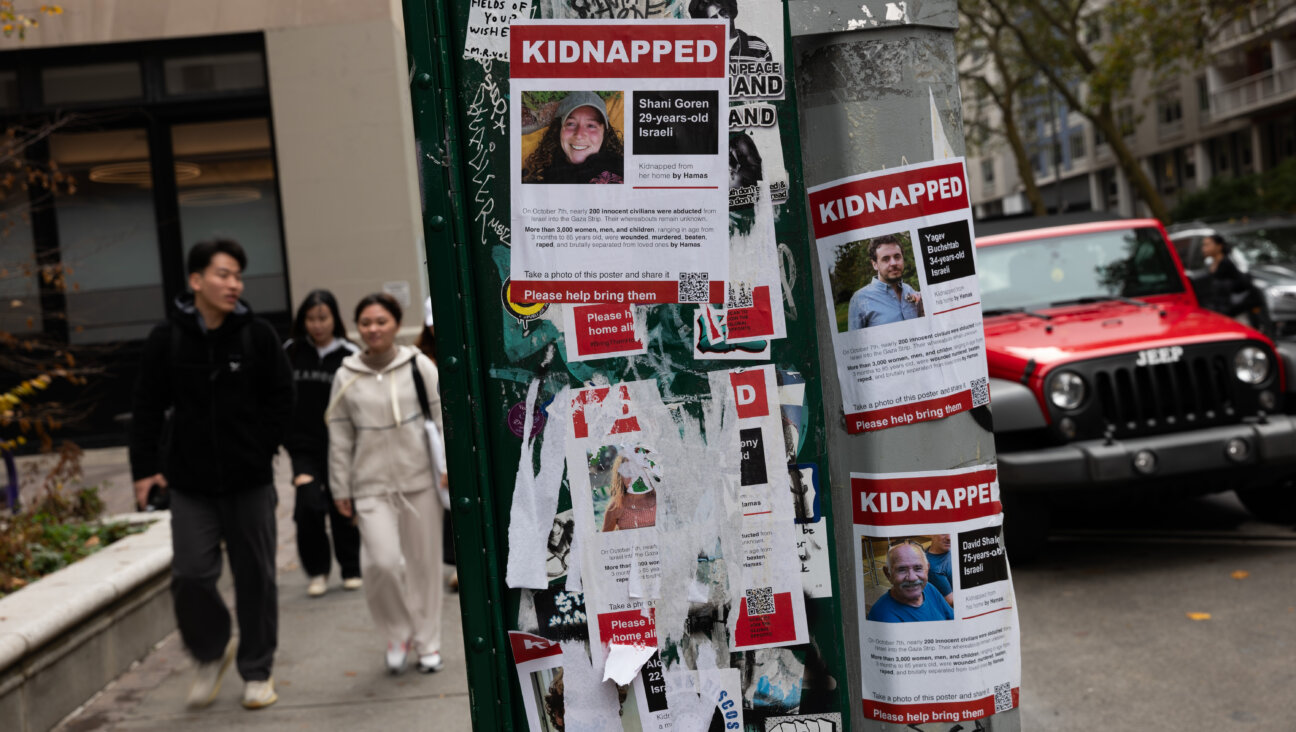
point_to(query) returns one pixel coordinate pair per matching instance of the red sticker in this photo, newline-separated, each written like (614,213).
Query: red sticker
(749,393)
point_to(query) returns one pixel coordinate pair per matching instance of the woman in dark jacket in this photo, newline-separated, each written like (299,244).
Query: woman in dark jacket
(316,350)
(1228,290)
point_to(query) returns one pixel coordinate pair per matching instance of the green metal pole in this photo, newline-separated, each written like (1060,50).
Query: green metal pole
(454,301)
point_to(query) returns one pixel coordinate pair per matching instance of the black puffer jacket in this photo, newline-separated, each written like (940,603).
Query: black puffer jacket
(307,439)
(232,392)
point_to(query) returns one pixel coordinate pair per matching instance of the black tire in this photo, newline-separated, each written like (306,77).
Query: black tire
(1275,504)
(1026,527)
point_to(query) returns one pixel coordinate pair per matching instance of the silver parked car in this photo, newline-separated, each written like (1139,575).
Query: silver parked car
(1264,248)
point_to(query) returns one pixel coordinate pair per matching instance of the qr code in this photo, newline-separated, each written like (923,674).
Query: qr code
(740,296)
(980,391)
(760,601)
(1003,698)
(694,287)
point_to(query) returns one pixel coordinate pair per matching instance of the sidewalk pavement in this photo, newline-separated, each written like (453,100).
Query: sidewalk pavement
(329,669)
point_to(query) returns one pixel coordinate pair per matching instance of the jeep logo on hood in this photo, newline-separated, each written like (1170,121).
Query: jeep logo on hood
(1154,356)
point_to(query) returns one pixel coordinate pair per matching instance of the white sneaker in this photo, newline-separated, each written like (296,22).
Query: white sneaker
(352,583)
(259,694)
(207,678)
(429,662)
(396,657)
(318,586)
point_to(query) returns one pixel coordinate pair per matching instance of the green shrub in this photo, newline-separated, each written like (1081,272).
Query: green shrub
(60,527)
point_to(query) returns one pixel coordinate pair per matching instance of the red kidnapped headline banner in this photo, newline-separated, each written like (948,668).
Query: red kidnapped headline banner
(885,199)
(935,712)
(606,291)
(928,500)
(616,51)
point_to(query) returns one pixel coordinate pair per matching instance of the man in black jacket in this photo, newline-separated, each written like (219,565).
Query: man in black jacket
(224,376)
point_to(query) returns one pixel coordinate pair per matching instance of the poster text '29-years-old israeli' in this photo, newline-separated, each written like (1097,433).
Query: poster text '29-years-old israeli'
(619,161)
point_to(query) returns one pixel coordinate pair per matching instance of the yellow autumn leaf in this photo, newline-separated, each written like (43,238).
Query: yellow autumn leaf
(1240,574)
(1199,616)
(92,541)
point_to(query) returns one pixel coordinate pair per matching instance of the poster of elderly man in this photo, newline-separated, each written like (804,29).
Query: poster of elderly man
(935,601)
(910,595)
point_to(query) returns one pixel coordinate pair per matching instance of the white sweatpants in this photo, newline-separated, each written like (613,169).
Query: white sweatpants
(405,602)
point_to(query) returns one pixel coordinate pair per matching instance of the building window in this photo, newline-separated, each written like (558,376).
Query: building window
(1125,120)
(1092,28)
(108,236)
(108,82)
(234,196)
(151,178)
(1169,109)
(1203,95)
(1077,143)
(211,74)
(988,175)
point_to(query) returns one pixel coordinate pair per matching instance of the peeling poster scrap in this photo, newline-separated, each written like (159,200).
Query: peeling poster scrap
(710,343)
(771,602)
(615,478)
(488,27)
(540,675)
(754,309)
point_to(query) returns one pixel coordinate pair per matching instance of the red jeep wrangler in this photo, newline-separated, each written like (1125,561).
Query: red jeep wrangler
(1105,374)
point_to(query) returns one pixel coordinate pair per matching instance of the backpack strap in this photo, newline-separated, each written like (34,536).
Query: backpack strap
(421,389)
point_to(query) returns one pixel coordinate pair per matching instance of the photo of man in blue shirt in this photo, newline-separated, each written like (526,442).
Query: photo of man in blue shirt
(911,598)
(887,298)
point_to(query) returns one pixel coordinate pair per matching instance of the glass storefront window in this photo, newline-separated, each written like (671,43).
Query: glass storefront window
(107,233)
(8,90)
(20,306)
(214,73)
(92,83)
(234,197)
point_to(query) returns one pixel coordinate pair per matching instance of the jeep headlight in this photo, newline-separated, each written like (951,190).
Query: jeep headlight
(1251,365)
(1067,390)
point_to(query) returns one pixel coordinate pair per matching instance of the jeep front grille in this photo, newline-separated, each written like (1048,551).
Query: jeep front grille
(1198,390)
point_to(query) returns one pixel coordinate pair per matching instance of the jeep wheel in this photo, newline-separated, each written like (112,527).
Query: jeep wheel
(1272,503)
(1026,526)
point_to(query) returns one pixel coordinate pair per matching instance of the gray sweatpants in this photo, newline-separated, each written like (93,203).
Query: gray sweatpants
(405,602)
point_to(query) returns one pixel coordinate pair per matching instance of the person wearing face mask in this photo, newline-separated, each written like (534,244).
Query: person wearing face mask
(911,597)
(382,473)
(579,146)
(316,349)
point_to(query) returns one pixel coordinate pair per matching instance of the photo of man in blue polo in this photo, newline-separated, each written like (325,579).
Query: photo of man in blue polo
(887,298)
(911,598)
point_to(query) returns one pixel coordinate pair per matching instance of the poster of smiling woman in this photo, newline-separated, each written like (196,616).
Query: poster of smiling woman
(619,162)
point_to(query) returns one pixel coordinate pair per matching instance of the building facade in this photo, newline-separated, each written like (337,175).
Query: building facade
(1234,117)
(284,124)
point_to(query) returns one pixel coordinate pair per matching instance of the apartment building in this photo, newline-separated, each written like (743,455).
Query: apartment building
(1233,117)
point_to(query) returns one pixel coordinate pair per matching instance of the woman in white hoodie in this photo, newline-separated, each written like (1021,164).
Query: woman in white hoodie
(383,474)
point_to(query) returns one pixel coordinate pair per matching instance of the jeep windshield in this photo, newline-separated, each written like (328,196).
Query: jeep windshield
(1081,268)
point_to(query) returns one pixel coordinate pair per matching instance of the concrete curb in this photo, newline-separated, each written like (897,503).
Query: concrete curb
(65,636)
